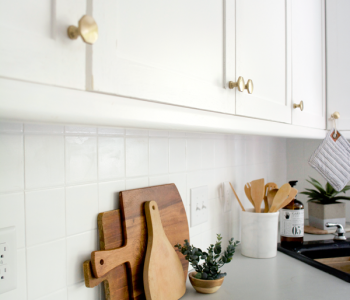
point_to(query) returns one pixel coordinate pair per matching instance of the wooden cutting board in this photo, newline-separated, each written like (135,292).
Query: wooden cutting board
(163,275)
(131,255)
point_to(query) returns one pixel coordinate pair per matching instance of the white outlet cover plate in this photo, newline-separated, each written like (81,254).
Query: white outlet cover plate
(8,259)
(199,205)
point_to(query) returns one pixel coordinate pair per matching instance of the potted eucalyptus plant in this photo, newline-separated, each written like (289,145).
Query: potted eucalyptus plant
(324,206)
(208,277)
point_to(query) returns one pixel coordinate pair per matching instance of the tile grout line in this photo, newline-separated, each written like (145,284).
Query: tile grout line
(65,202)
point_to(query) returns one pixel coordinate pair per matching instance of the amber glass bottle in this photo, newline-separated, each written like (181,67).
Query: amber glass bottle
(292,222)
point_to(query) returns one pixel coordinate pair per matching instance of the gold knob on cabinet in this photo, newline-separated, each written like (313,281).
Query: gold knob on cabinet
(87,29)
(239,84)
(335,115)
(300,105)
(249,86)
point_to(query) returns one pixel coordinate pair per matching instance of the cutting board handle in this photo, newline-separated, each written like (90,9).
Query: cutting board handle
(104,261)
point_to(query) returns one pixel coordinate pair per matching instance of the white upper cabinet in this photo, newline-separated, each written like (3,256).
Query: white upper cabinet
(308,63)
(34,43)
(338,61)
(263,55)
(165,51)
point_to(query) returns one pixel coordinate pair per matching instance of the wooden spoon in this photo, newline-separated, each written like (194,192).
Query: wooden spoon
(292,194)
(280,197)
(268,187)
(239,201)
(270,196)
(248,193)
(257,190)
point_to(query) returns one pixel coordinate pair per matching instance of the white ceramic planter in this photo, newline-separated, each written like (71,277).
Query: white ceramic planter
(259,234)
(320,214)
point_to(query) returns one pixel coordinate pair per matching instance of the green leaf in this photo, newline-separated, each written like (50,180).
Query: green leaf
(198,275)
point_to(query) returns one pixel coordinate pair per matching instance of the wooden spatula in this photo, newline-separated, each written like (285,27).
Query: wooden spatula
(268,187)
(248,193)
(280,197)
(292,194)
(257,190)
(163,275)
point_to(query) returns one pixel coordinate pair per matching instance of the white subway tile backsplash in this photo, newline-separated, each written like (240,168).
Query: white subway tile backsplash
(158,180)
(44,161)
(71,175)
(11,127)
(81,208)
(79,248)
(158,156)
(177,155)
(79,291)
(135,183)
(11,162)
(136,157)
(194,154)
(111,161)
(46,268)
(81,159)
(12,214)
(108,195)
(45,216)
(80,130)
(42,129)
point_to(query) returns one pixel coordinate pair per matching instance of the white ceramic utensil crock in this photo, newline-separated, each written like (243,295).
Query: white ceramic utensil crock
(259,234)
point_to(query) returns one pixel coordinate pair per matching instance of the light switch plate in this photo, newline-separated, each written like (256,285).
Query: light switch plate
(199,205)
(8,259)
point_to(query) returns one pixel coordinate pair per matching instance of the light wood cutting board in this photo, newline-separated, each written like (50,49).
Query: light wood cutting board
(134,231)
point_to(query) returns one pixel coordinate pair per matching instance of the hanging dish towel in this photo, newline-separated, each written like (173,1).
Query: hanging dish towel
(332,160)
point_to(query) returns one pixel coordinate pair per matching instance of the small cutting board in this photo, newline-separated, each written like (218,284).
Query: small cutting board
(131,255)
(163,275)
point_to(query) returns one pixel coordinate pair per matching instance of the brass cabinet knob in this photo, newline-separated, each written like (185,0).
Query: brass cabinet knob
(87,29)
(249,86)
(335,115)
(300,105)
(239,84)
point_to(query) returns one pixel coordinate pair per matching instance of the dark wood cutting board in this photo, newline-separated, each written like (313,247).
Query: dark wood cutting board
(127,261)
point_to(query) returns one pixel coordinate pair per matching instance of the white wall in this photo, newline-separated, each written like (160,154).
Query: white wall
(54,180)
(298,153)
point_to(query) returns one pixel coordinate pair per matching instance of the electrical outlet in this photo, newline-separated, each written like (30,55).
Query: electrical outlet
(8,259)
(199,205)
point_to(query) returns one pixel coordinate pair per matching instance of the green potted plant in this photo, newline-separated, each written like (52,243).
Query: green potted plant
(324,206)
(208,277)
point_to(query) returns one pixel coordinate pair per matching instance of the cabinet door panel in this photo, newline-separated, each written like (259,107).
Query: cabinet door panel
(34,43)
(166,51)
(308,62)
(338,61)
(263,55)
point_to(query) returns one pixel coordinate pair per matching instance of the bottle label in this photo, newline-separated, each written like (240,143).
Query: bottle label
(292,223)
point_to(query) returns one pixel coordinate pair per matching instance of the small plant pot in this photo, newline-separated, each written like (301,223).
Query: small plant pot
(205,286)
(320,214)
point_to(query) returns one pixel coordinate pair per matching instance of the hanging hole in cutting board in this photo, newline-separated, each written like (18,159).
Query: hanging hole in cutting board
(102,262)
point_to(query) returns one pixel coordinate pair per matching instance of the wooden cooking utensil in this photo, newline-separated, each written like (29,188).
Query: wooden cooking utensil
(163,275)
(131,255)
(239,201)
(270,196)
(248,193)
(257,190)
(268,187)
(292,194)
(280,197)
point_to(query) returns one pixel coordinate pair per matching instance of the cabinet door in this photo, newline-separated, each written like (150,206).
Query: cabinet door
(263,55)
(338,61)
(34,43)
(165,51)
(308,63)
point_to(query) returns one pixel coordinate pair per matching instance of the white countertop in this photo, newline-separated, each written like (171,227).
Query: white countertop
(278,278)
